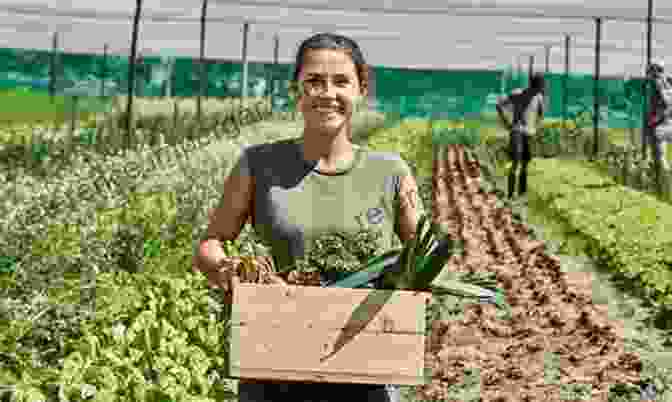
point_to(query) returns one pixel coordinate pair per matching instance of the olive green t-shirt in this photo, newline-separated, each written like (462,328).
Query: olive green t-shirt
(293,203)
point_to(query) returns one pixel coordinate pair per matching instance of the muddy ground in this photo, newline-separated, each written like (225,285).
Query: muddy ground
(556,335)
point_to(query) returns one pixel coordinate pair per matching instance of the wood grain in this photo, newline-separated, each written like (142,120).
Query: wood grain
(305,333)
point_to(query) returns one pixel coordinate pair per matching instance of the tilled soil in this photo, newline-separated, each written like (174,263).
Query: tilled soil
(552,311)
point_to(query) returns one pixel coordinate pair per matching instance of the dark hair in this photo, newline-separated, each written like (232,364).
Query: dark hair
(537,82)
(335,42)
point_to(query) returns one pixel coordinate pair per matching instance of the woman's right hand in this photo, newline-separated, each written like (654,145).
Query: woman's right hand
(220,276)
(229,270)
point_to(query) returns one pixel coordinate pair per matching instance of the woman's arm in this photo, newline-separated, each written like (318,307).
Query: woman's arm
(663,89)
(410,207)
(226,223)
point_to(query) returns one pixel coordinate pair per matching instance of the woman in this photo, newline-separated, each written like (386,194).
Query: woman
(295,190)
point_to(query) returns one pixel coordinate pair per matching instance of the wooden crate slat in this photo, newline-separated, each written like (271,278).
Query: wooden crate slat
(381,358)
(293,304)
(305,333)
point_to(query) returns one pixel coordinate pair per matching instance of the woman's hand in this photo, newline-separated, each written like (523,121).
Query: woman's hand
(232,270)
(219,277)
(246,269)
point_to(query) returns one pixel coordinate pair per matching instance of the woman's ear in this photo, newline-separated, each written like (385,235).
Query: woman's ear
(364,83)
(364,90)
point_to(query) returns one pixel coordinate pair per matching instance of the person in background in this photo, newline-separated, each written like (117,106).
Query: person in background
(295,190)
(522,104)
(660,113)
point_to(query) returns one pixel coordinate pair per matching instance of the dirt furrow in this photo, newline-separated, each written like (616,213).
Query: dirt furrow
(553,317)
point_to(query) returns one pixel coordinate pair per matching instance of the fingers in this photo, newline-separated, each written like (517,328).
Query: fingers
(218,279)
(276,280)
(226,276)
(234,281)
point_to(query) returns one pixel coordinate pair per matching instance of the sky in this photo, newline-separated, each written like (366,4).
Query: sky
(420,34)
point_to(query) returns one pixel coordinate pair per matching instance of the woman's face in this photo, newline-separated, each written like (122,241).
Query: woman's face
(329,89)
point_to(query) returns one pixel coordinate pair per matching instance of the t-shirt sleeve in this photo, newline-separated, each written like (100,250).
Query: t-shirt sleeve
(504,102)
(243,165)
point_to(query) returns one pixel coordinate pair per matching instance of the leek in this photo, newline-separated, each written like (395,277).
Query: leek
(417,265)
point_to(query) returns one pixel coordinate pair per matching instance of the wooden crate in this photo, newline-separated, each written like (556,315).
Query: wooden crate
(306,333)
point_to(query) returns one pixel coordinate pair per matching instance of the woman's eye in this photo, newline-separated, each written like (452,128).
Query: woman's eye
(314,82)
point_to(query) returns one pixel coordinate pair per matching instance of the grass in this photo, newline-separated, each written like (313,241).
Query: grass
(27,106)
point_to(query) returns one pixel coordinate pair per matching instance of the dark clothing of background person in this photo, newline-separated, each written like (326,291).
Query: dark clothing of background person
(522,104)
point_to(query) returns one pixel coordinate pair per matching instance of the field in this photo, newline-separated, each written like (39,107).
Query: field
(557,318)
(95,281)
(26,106)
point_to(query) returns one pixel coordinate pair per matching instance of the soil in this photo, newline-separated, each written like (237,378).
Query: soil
(553,315)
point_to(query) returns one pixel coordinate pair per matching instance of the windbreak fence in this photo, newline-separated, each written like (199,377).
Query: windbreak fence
(454,95)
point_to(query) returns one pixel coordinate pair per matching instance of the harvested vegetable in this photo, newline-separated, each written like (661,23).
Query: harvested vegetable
(417,265)
(336,253)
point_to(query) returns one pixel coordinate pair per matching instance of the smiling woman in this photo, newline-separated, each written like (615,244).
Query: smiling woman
(295,191)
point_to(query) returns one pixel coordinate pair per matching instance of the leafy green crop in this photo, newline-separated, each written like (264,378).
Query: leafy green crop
(467,136)
(628,231)
(7,264)
(339,252)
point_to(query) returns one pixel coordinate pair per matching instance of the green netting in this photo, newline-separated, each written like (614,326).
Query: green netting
(473,94)
(155,76)
(408,93)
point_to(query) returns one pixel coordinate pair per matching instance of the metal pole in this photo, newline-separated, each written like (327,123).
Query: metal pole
(276,47)
(139,66)
(649,32)
(646,130)
(520,68)
(547,62)
(103,72)
(131,70)
(52,70)
(201,60)
(565,95)
(596,87)
(246,30)
(530,68)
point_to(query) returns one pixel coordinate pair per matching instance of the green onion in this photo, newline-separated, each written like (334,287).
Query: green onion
(417,265)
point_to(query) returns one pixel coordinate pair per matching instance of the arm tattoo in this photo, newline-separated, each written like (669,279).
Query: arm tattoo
(409,207)
(408,196)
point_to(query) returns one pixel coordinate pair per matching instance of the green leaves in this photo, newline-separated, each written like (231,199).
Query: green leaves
(626,230)
(433,257)
(468,287)
(7,264)
(468,136)
(338,252)
(418,265)
(374,268)
(167,348)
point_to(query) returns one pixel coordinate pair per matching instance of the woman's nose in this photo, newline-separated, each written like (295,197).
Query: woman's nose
(326,89)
